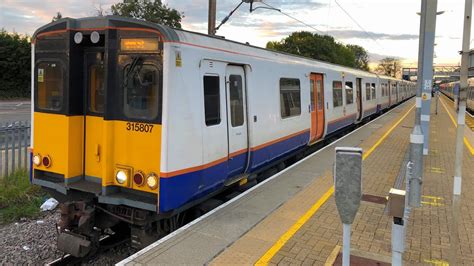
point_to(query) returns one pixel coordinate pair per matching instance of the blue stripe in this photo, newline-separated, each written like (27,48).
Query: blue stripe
(178,190)
(334,126)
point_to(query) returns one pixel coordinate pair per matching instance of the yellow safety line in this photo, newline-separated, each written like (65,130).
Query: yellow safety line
(265,259)
(368,152)
(466,142)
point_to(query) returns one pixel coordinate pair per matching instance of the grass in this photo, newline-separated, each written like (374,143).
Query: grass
(19,198)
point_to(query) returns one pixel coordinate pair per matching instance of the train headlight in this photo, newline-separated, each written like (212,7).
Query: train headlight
(152,181)
(121,176)
(37,159)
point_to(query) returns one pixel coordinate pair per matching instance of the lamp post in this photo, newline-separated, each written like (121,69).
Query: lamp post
(463,87)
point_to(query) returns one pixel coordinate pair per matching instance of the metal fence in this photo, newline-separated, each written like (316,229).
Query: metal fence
(14,143)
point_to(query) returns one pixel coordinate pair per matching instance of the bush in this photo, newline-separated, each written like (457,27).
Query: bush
(15,65)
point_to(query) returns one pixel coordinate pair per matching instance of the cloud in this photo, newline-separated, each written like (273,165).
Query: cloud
(358,34)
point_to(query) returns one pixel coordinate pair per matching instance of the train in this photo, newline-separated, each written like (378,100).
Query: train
(137,123)
(451,90)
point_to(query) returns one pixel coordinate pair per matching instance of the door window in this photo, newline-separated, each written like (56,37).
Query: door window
(96,88)
(319,90)
(367,91)
(50,86)
(337,93)
(212,100)
(236,100)
(311,95)
(290,97)
(349,93)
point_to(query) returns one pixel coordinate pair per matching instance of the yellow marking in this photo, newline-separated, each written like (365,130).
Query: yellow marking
(435,204)
(265,259)
(294,228)
(243,181)
(333,256)
(432,201)
(369,151)
(437,170)
(466,142)
(436,262)
(432,197)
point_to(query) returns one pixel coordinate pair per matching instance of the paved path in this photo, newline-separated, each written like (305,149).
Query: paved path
(315,239)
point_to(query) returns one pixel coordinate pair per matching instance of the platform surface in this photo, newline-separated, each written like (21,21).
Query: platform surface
(292,218)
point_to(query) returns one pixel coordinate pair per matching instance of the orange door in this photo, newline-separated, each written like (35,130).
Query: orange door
(317,106)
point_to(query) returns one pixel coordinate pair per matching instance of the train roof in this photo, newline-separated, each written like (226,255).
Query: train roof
(180,35)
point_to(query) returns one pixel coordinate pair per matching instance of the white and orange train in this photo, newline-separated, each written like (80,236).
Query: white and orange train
(136,122)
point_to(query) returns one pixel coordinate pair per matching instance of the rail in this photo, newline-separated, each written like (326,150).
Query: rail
(14,143)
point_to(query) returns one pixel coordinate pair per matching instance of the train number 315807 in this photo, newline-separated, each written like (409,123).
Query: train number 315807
(139,127)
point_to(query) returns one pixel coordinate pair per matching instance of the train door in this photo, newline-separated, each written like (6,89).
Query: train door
(236,120)
(94,99)
(359,97)
(389,93)
(397,91)
(317,106)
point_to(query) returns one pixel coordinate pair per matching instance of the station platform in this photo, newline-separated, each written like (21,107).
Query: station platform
(291,218)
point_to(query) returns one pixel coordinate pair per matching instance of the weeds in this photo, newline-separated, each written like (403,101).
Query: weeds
(19,198)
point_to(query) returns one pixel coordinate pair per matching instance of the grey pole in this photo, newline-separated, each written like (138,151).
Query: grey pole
(211,22)
(460,131)
(425,76)
(427,70)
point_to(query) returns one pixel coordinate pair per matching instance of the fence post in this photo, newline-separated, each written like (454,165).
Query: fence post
(25,151)
(13,130)
(2,151)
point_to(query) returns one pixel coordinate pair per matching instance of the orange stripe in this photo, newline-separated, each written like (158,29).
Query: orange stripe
(238,152)
(192,169)
(221,160)
(92,29)
(146,30)
(217,49)
(278,140)
(341,118)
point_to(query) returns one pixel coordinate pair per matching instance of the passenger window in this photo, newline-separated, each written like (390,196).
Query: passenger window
(319,89)
(49,78)
(236,100)
(374,92)
(141,91)
(337,93)
(212,106)
(367,91)
(96,88)
(290,97)
(349,93)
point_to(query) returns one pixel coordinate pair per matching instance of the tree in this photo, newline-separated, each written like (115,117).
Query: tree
(150,10)
(361,56)
(57,17)
(320,47)
(15,65)
(389,66)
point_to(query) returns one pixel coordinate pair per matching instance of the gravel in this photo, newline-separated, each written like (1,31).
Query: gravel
(30,241)
(34,242)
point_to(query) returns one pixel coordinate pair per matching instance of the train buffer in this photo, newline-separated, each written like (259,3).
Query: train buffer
(291,218)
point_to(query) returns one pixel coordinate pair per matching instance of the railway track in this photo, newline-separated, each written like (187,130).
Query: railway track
(111,241)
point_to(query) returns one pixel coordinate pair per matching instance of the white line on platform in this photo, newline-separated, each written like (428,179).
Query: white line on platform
(181,229)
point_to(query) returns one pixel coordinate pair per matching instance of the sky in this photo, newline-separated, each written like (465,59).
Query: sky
(382,27)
